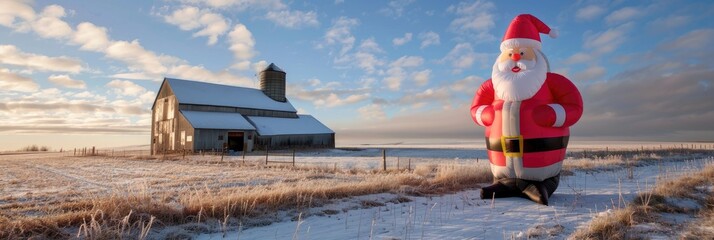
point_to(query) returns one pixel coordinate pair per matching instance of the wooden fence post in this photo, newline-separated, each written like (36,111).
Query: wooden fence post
(266,155)
(397,163)
(222,152)
(409,165)
(245,148)
(293,157)
(384,159)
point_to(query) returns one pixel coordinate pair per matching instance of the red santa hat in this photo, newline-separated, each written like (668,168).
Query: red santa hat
(524,31)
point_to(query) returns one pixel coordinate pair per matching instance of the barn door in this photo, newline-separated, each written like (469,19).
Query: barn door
(235,141)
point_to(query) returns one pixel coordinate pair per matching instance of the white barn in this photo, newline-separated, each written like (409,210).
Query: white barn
(192,116)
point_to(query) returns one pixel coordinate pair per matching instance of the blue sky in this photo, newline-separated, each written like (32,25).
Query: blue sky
(75,73)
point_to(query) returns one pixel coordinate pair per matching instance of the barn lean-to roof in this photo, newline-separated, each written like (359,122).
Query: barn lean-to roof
(304,124)
(217,120)
(202,93)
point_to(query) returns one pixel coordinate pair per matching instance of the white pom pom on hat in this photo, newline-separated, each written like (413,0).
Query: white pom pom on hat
(524,31)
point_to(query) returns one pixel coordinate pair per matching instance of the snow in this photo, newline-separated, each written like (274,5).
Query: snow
(304,124)
(217,120)
(201,93)
(463,215)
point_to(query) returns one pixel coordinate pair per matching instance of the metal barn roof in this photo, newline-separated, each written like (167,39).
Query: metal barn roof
(217,120)
(202,93)
(304,124)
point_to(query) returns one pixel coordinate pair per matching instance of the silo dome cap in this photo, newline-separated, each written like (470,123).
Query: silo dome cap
(274,68)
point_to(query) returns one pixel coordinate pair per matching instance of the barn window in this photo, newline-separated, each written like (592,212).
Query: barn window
(220,137)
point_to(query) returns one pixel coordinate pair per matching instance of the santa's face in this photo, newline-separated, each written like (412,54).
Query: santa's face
(518,73)
(516,59)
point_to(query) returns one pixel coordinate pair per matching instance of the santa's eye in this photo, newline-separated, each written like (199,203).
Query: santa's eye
(522,53)
(510,54)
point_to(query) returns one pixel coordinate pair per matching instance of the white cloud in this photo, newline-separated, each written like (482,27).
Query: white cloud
(199,73)
(293,18)
(12,82)
(624,14)
(421,78)
(240,5)
(395,76)
(468,84)
(136,76)
(66,81)
(366,58)
(607,41)
(340,33)
(142,63)
(333,100)
(429,38)
(408,61)
(260,66)
(11,55)
(372,112)
(420,99)
(589,12)
(314,82)
(188,18)
(579,57)
(395,8)
(91,37)
(402,40)
(396,73)
(370,45)
(669,23)
(697,39)
(10,10)
(242,42)
(49,24)
(136,57)
(367,61)
(462,56)
(590,74)
(126,88)
(475,18)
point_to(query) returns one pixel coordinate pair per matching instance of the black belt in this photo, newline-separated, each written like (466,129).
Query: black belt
(513,145)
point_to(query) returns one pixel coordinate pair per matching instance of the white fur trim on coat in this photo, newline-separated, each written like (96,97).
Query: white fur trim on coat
(477,115)
(559,114)
(520,42)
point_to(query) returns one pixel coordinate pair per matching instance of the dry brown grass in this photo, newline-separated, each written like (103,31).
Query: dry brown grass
(647,206)
(100,197)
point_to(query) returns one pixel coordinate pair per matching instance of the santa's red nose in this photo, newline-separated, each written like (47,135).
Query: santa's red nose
(516,57)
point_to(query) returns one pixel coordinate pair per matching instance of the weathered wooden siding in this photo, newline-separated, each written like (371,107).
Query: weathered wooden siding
(164,121)
(185,134)
(296,141)
(243,111)
(208,139)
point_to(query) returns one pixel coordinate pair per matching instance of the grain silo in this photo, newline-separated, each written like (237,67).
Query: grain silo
(272,82)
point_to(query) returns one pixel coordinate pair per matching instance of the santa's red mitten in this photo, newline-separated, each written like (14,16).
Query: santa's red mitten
(483,115)
(544,116)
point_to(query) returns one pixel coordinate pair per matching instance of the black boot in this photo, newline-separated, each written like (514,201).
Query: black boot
(537,192)
(498,190)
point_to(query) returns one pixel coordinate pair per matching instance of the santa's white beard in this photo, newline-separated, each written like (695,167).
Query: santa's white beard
(522,85)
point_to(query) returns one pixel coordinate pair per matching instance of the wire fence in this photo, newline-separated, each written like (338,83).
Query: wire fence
(368,158)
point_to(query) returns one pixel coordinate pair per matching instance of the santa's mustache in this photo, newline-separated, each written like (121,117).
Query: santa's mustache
(507,65)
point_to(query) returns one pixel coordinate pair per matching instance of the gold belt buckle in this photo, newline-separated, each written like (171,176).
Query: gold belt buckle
(507,144)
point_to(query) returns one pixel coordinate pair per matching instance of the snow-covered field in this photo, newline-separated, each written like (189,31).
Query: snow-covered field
(31,185)
(464,215)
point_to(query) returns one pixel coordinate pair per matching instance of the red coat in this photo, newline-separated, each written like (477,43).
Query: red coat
(543,122)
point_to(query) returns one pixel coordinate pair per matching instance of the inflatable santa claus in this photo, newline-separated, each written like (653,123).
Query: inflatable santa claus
(526,110)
